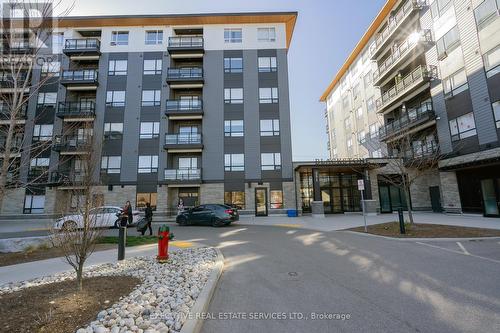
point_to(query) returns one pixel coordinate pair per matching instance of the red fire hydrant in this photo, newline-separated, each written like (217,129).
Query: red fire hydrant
(164,235)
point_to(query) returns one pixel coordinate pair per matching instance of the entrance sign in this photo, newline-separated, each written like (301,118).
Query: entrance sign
(361,184)
(361,187)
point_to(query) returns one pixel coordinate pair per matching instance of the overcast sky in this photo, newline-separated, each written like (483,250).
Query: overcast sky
(325,34)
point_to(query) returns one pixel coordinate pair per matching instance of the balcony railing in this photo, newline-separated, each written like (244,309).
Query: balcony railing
(38,175)
(186,73)
(183,139)
(182,174)
(70,143)
(184,105)
(85,75)
(422,150)
(67,178)
(394,22)
(185,42)
(419,74)
(401,51)
(413,117)
(5,113)
(82,44)
(76,109)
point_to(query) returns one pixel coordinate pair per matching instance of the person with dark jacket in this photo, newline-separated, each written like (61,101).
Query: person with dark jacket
(129,213)
(148,212)
(124,215)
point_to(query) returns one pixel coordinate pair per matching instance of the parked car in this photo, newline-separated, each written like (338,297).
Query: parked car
(210,214)
(106,217)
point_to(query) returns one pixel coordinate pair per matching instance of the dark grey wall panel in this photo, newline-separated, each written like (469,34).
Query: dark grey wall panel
(284,109)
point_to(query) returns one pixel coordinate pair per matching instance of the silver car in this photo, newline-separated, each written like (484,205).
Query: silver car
(105,217)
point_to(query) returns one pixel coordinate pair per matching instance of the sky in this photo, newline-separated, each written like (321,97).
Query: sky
(325,34)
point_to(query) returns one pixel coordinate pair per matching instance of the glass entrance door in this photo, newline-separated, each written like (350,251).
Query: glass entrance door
(261,201)
(490,189)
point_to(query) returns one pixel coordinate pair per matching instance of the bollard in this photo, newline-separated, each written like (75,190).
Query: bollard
(401,221)
(122,240)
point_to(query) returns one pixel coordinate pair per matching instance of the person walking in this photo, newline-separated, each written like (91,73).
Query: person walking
(180,206)
(148,212)
(129,213)
(124,214)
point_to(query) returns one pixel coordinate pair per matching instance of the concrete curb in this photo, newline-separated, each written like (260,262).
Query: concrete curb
(421,239)
(194,322)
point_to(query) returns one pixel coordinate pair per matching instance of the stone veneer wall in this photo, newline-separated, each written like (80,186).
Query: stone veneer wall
(419,191)
(450,195)
(212,193)
(289,199)
(13,202)
(118,196)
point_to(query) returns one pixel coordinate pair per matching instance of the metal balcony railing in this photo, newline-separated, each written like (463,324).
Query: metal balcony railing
(38,175)
(182,174)
(82,44)
(422,150)
(89,75)
(184,105)
(183,139)
(66,178)
(70,143)
(5,112)
(412,117)
(185,73)
(86,108)
(185,42)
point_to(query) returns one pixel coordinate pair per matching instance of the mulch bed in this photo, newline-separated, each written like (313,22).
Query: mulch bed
(417,230)
(59,307)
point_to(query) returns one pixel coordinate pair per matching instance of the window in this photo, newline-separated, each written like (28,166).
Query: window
(455,83)
(117,67)
(115,98)
(47,99)
(492,61)
(57,42)
(346,103)
(113,130)
(373,131)
(234,162)
(233,65)
(235,199)
(268,95)
(232,36)
(269,127)
(154,37)
(233,128)
(276,199)
(119,38)
(486,12)
(496,112)
(463,127)
(356,91)
(377,153)
(347,124)
(34,204)
(270,161)
(349,144)
(39,162)
(362,137)
(188,163)
(267,64)
(370,104)
(143,198)
(149,130)
(148,164)
(51,68)
(359,113)
(42,132)
(438,7)
(111,164)
(367,79)
(448,43)
(152,67)
(151,97)
(233,95)
(266,34)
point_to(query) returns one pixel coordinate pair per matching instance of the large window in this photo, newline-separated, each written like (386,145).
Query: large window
(496,112)
(111,164)
(269,127)
(34,204)
(276,199)
(151,98)
(152,66)
(268,95)
(148,164)
(234,162)
(270,161)
(117,67)
(51,68)
(113,130)
(42,132)
(359,113)
(115,98)
(463,127)
(188,163)
(143,198)
(233,128)
(439,7)
(233,95)
(373,131)
(233,65)
(266,34)
(367,79)
(47,99)
(455,83)
(149,130)
(233,35)
(39,162)
(486,12)
(154,37)
(346,103)
(370,104)
(356,91)
(235,199)
(492,61)
(448,42)
(119,38)
(362,137)
(267,64)
(347,125)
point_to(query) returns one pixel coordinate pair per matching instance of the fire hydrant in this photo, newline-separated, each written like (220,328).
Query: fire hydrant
(164,235)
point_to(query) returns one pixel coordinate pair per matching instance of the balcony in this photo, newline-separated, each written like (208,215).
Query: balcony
(15,147)
(185,47)
(183,176)
(395,22)
(7,85)
(404,54)
(5,114)
(76,111)
(185,78)
(67,180)
(70,145)
(416,119)
(79,80)
(184,109)
(82,49)
(407,87)
(38,175)
(421,152)
(183,143)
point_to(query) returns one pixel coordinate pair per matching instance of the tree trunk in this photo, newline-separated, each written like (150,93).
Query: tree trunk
(79,276)
(408,204)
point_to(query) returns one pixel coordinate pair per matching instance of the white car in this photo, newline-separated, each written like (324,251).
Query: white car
(106,217)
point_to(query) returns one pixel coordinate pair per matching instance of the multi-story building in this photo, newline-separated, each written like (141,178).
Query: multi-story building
(191,107)
(431,66)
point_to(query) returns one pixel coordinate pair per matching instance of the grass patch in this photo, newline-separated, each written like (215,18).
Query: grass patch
(391,229)
(131,240)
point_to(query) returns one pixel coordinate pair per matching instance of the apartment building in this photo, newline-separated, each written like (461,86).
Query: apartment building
(191,107)
(431,67)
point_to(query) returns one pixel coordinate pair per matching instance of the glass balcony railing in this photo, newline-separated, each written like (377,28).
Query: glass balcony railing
(186,105)
(86,75)
(82,44)
(182,174)
(185,42)
(67,178)
(86,108)
(183,139)
(413,117)
(5,112)
(186,73)
(69,143)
